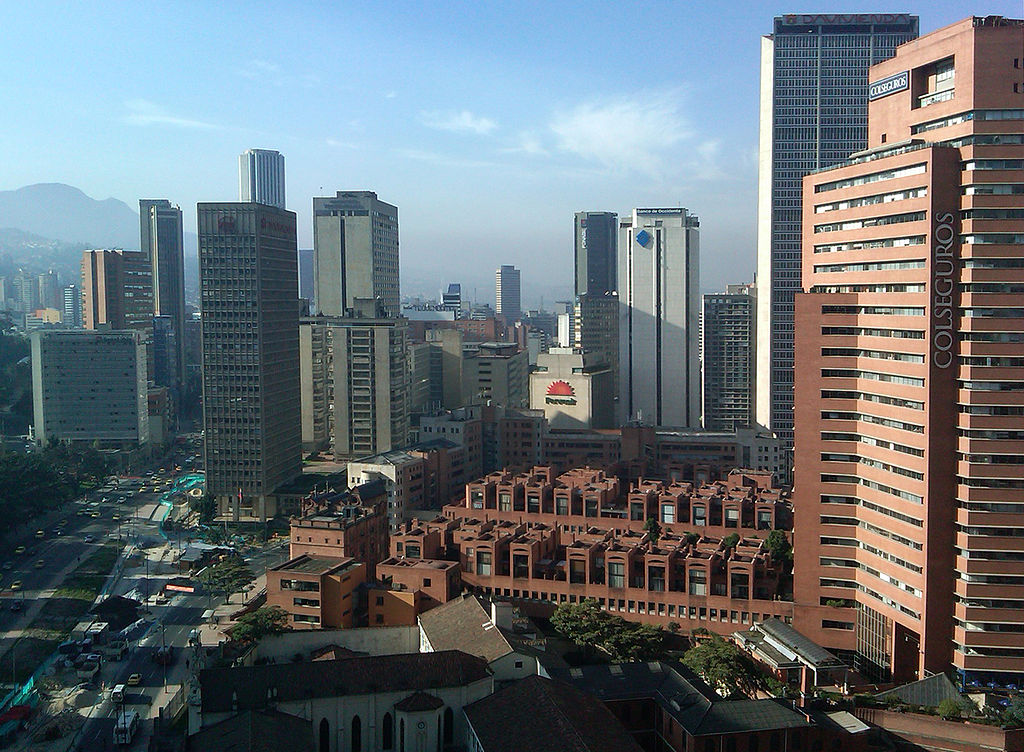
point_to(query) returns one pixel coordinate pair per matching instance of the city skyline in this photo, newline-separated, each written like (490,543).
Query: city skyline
(597,135)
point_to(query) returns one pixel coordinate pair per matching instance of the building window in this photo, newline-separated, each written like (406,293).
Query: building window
(426,582)
(483,563)
(698,581)
(357,734)
(668,513)
(616,574)
(388,732)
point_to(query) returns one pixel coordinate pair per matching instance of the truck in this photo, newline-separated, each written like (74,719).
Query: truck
(87,670)
(125,726)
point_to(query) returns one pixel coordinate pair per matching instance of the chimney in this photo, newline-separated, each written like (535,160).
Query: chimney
(501,614)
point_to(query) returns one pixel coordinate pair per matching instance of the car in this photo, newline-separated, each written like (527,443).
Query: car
(58,531)
(62,523)
(39,564)
(94,515)
(16,585)
(88,539)
(134,680)
(40,534)
(19,550)
(17,605)
(83,512)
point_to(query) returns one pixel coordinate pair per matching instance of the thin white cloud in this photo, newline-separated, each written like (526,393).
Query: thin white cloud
(142,112)
(529,144)
(339,144)
(390,94)
(271,74)
(458,122)
(628,133)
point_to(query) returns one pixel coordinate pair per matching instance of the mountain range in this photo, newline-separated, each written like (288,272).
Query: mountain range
(48,225)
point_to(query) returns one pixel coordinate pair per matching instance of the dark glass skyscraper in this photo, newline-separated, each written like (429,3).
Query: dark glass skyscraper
(250,345)
(814,114)
(596,238)
(161,241)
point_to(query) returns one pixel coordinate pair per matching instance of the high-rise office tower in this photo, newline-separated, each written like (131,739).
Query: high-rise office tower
(103,297)
(659,312)
(26,291)
(596,251)
(161,237)
(307,289)
(451,299)
(72,310)
(89,387)
(261,177)
(594,328)
(250,351)
(355,388)
(909,464)
(813,115)
(50,291)
(508,293)
(728,357)
(355,248)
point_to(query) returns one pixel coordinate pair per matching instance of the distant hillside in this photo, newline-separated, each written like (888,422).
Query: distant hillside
(48,225)
(63,212)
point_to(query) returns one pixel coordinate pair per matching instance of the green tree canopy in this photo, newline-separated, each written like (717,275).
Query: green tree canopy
(227,576)
(779,547)
(593,629)
(725,667)
(255,625)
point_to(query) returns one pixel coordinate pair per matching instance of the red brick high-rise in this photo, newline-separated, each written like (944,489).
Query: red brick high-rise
(909,443)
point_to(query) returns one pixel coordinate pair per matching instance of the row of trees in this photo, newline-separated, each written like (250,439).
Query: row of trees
(597,631)
(33,484)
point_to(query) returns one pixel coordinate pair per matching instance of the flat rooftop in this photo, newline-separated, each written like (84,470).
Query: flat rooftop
(314,565)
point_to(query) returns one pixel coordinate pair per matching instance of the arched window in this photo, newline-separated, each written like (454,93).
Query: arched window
(449,726)
(325,736)
(357,734)
(388,733)
(401,735)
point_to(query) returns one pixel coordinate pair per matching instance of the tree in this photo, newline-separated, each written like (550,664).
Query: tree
(653,529)
(725,667)
(633,642)
(731,540)
(227,576)
(586,624)
(779,547)
(255,625)
(205,506)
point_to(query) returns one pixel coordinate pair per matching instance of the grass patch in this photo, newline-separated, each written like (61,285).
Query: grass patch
(58,616)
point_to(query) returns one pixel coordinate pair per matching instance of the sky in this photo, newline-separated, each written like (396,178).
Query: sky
(487,123)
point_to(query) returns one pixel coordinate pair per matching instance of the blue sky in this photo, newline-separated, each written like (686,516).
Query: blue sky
(487,123)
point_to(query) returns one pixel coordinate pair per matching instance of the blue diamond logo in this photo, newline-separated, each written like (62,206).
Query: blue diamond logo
(643,238)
